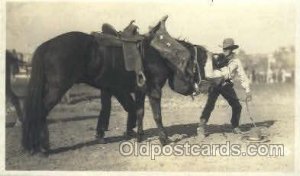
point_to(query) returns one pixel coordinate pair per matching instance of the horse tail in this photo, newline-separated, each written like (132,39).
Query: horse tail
(35,113)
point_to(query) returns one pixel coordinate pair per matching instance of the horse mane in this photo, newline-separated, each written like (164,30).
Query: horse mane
(12,60)
(188,44)
(201,52)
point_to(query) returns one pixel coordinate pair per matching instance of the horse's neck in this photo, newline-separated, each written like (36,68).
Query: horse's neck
(202,55)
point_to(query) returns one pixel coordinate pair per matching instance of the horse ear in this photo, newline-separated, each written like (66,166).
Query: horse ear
(154,29)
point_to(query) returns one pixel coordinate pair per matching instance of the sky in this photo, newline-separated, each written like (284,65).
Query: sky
(257,26)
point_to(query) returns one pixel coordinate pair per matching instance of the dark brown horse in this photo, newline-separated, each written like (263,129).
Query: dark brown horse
(77,57)
(182,84)
(12,68)
(158,70)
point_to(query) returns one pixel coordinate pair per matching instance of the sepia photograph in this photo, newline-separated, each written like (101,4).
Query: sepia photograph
(164,86)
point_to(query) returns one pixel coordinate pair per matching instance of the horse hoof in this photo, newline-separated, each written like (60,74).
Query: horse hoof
(164,141)
(44,150)
(171,143)
(43,154)
(139,138)
(130,134)
(32,152)
(101,140)
(99,135)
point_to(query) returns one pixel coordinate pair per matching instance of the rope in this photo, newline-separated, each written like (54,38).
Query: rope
(249,114)
(196,84)
(246,101)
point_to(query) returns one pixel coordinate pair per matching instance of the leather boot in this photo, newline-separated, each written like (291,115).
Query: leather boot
(201,128)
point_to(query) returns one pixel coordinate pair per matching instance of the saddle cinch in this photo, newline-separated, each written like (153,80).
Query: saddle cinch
(128,39)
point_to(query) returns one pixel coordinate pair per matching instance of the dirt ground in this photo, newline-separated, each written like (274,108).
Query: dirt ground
(73,147)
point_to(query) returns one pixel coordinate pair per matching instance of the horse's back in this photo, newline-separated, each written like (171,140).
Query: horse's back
(66,54)
(67,43)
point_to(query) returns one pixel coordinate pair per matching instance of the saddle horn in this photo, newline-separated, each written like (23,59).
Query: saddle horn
(131,22)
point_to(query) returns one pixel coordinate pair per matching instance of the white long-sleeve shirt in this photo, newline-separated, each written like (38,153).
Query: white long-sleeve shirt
(234,68)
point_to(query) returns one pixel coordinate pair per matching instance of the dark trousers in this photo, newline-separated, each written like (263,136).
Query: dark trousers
(229,94)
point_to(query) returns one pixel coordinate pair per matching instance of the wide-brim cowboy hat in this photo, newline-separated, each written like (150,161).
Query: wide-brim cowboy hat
(228,43)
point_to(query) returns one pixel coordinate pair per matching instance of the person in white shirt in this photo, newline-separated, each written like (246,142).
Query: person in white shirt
(230,68)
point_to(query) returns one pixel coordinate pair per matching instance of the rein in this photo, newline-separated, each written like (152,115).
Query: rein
(197,65)
(142,49)
(197,73)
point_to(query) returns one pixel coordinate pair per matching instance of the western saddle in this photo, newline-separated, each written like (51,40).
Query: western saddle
(129,39)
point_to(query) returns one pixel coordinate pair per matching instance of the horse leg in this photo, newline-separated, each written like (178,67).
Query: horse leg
(126,100)
(140,101)
(103,119)
(16,103)
(155,102)
(67,98)
(52,97)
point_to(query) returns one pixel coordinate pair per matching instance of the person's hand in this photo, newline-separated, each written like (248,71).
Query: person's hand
(248,96)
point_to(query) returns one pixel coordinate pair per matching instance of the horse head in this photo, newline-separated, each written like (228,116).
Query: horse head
(12,61)
(188,82)
(198,68)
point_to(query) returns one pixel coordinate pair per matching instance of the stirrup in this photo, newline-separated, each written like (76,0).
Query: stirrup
(196,90)
(141,79)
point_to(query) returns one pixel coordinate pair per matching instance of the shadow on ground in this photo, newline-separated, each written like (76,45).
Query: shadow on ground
(188,129)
